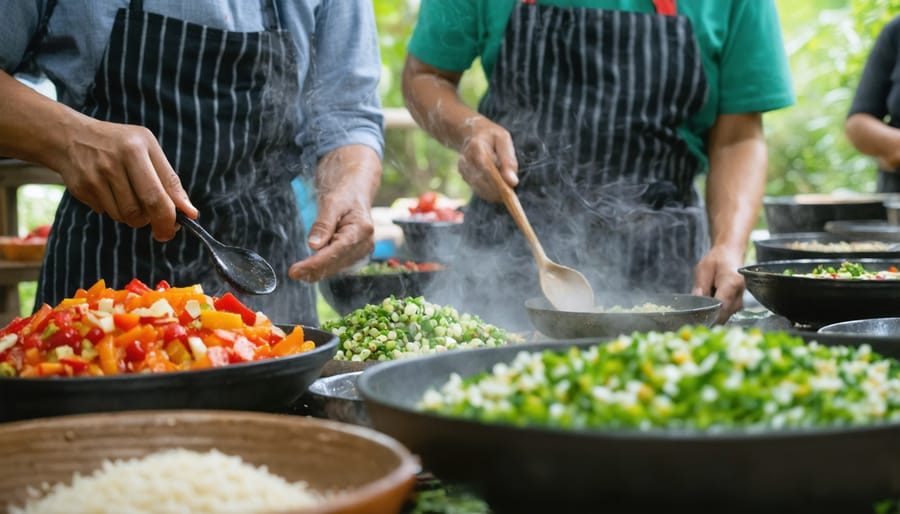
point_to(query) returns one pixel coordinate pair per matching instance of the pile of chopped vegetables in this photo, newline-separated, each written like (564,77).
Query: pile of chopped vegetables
(408,327)
(848,270)
(427,209)
(393,265)
(697,378)
(102,331)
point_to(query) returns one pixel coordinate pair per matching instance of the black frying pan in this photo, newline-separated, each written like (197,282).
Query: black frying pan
(686,310)
(778,247)
(818,301)
(839,470)
(266,385)
(346,292)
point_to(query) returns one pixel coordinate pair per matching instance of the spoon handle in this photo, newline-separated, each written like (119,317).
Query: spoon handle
(194,228)
(514,206)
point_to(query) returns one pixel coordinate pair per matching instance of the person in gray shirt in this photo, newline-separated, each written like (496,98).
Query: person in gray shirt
(209,107)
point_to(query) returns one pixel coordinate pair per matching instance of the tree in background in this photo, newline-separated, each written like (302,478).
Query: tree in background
(828,42)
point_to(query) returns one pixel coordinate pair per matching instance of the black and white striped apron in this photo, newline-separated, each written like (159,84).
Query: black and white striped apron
(593,100)
(223,106)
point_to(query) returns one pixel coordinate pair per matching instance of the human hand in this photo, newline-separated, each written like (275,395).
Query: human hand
(121,170)
(487,145)
(716,275)
(343,232)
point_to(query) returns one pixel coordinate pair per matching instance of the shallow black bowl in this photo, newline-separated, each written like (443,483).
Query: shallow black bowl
(266,385)
(777,248)
(810,212)
(531,469)
(821,301)
(430,240)
(686,310)
(347,292)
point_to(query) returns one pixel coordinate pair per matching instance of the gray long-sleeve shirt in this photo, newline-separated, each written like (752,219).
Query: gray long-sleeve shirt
(339,64)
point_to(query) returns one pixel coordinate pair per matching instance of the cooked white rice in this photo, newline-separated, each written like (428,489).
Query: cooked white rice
(172,481)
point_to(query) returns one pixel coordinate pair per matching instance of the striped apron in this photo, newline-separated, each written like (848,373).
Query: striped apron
(593,100)
(223,106)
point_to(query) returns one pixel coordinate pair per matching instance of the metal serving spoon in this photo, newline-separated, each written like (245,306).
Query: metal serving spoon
(566,288)
(245,270)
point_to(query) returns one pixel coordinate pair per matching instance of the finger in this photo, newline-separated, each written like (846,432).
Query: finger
(704,275)
(171,182)
(323,228)
(127,205)
(153,197)
(344,250)
(506,159)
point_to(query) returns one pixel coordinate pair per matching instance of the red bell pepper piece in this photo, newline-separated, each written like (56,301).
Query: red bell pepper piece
(137,287)
(229,303)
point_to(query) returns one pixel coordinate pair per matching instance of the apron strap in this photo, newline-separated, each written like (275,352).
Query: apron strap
(664,7)
(271,21)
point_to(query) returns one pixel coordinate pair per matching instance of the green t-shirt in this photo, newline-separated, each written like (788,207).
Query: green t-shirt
(740,42)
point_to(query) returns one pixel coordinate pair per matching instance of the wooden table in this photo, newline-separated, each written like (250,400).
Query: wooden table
(14,174)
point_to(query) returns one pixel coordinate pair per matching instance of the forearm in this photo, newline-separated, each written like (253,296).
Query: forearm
(872,136)
(433,99)
(355,169)
(32,126)
(736,181)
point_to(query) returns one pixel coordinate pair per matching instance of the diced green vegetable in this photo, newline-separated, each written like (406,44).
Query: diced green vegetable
(696,378)
(405,327)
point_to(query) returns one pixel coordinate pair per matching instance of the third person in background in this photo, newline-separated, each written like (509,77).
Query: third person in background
(873,125)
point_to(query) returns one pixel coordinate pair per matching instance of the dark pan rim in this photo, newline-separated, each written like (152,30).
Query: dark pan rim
(654,434)
(328,347)
(761,270)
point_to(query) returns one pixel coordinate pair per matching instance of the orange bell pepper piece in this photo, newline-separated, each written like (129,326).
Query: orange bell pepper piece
(292,343)
(224,320)
(109,361)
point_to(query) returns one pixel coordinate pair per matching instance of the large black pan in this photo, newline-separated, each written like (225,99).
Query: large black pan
(810,212)
(778,247)
(839,470)
(872,229)
(686,310)
(266,385)
(819,301)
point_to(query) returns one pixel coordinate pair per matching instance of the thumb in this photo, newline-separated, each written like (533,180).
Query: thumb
(703,278)
(506,155)
(322,229)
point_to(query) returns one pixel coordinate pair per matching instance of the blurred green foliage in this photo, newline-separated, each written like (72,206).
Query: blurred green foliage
(413,161)
(827,42)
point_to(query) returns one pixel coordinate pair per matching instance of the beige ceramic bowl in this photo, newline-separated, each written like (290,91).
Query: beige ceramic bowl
(369,471)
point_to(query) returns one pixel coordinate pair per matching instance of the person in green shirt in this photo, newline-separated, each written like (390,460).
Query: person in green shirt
(601,113)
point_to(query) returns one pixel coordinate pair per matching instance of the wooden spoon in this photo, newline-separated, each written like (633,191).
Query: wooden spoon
(566,288)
